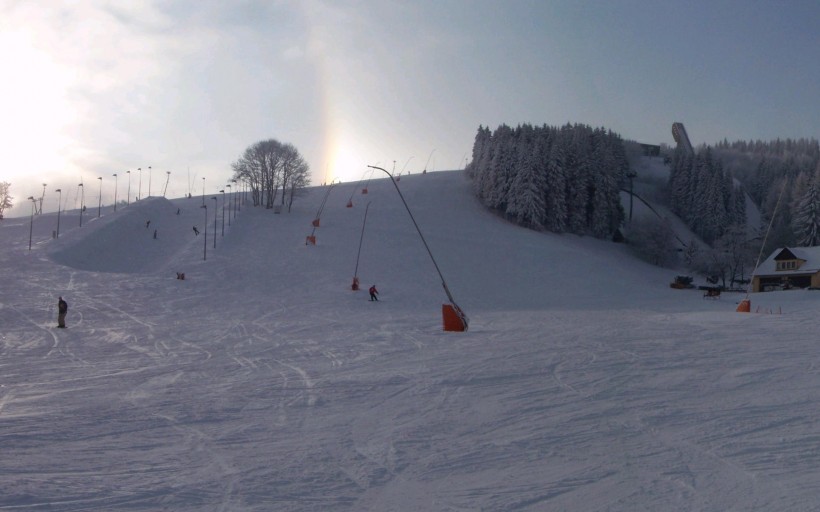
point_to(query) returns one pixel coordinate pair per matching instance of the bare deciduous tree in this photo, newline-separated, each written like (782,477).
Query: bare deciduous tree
(653,241)
(5,197)
(269,165)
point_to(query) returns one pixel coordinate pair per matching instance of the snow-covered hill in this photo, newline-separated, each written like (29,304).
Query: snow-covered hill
(263,382)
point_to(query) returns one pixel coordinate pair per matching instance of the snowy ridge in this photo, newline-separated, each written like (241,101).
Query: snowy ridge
(262,382)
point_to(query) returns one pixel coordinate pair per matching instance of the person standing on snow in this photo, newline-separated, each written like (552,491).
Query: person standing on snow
(62,309)
(373,292)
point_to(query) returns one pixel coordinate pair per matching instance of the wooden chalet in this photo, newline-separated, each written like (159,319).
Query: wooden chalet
(788,267)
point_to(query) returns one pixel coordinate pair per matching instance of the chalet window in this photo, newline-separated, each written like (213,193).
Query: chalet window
(787,265)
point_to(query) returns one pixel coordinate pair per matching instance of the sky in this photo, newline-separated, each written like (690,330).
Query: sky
(263,382)
(96,88)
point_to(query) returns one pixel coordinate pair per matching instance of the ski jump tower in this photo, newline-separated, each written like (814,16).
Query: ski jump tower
(680,136)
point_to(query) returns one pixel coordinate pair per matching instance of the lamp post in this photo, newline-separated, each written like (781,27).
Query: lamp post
(99,205)
(115,191)
(223,212)
(215,205)
(31,221)
(167,179)
(205,232)
(235,198)
(139,190)
(203,191)
(230,195)
(129,187)
(82,203)
(59,202)
(149,181)
(40,209)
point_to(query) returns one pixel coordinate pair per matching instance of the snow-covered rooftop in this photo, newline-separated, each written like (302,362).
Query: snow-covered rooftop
(810,255)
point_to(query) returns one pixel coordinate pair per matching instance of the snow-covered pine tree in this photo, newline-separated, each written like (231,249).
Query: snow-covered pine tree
(600,186)
(806,221)
(554,193)
(526,196)
(738,216)
(480,147)
(606,211)
(500,178)
(482,178)
(680,183)
(696,215)
(576,170)
(715,219)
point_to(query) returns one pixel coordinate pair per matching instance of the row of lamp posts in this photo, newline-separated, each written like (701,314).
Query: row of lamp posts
(82,199)
(204,206)
(81,190)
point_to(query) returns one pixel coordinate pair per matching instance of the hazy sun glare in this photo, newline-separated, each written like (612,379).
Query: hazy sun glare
(33,107)
(344,165)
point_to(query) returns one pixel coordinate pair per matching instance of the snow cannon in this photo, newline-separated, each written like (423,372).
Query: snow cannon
(454,318)
(745,306)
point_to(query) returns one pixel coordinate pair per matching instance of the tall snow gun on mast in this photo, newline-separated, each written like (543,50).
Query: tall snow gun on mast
(355,285)
(311,238)
(745,305)
(454,318)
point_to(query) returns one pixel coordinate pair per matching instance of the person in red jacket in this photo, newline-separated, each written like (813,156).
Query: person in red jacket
(373,292)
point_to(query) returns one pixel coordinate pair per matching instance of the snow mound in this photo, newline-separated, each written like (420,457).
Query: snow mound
(124,242)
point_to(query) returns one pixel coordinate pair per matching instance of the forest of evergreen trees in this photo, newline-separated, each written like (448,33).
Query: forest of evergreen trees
(703,194)
(781,178)
(563,179)
(567,180)
(784,169)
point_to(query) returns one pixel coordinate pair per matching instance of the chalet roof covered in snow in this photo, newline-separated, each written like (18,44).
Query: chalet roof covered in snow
(810,256)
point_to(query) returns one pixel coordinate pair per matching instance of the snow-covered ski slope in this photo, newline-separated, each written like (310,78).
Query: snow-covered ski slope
(263,383)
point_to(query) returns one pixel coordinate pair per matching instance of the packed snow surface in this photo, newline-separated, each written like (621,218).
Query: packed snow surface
(262,382)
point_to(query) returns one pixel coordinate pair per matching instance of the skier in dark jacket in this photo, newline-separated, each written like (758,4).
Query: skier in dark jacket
(373,292)
(62,309)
